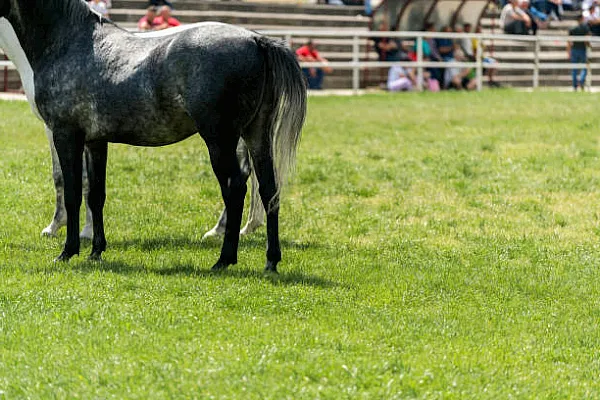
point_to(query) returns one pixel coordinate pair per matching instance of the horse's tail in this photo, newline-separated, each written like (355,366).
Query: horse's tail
(286,82)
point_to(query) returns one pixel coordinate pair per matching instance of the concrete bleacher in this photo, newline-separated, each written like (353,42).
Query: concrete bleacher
(270,16)
(273,15)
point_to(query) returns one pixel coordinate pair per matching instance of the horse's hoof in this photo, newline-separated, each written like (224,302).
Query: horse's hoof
(95,257)
(220,266)
(63,257)
(271,267)
(212,233)
(48,232)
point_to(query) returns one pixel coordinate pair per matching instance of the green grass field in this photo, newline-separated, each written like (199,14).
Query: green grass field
(439,245)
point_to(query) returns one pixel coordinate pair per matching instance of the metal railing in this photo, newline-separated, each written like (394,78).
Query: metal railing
(356,65)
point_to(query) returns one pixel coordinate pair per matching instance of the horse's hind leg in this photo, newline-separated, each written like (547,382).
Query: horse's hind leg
(96,155)
(60,214)
(233,189)
(88,229)
(256,214)
(264,168)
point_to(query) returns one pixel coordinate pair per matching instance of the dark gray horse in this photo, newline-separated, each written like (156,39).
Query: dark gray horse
(96,83)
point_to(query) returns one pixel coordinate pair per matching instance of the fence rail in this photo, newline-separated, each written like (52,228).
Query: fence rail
(356,65)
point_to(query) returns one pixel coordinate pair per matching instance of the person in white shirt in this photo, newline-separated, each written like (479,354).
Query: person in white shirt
(592,17)
(514,20)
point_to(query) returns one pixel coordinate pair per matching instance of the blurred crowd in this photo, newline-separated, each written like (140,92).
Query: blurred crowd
(158,16)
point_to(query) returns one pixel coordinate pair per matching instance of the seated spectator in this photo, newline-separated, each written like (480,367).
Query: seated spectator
(577,52)
(165,20)
(538,18)
(99,6)
(488,62)
(568,5)
(460,78)
(434,54)
(404,79)
(445,47)
(389,49)
(514,20)
(399,79)
(146,23)
(314,76)
(592,18)
(466,44)
(553,8)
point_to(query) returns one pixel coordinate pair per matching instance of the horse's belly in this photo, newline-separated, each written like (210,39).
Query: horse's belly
(143,129)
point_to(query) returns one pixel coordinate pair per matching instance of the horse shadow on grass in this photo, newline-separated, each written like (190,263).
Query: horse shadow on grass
(187,269)
(192,243)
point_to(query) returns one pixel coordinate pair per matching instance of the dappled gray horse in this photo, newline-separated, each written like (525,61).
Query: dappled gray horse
(11,46)
(96,83)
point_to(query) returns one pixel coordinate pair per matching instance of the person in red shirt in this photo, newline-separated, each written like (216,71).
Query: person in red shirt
(314,76)
(165,20)
(147,23)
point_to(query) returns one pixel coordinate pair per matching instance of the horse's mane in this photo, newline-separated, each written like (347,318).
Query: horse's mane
(73,10)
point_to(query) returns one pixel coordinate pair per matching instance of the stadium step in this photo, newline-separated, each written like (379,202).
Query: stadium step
(244,6)
(256,18)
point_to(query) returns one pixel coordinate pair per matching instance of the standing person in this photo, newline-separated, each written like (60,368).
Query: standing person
(165,20)
(514,20)
(313,75)
(146,23)
(577,52)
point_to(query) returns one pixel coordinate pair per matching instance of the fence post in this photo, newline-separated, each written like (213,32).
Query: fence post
(355,68)
(536,63)
(288,40)
(588,79)
(479,59)
(419,61)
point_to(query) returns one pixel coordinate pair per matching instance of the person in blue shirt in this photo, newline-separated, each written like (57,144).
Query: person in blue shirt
(445,46)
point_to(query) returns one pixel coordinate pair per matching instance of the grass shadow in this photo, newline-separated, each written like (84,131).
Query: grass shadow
(186,269)
(189,242)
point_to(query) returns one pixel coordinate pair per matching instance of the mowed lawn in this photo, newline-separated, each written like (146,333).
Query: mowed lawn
(435,246)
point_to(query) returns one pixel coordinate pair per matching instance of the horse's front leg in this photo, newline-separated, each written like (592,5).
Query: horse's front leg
(233,190)
(69,147)
(95,156)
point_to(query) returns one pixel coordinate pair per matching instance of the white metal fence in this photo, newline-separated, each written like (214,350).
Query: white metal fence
(356,65)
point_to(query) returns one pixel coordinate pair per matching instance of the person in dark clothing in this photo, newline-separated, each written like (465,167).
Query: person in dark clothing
(577,52)
(389,49)
(160,3)
(445,47)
